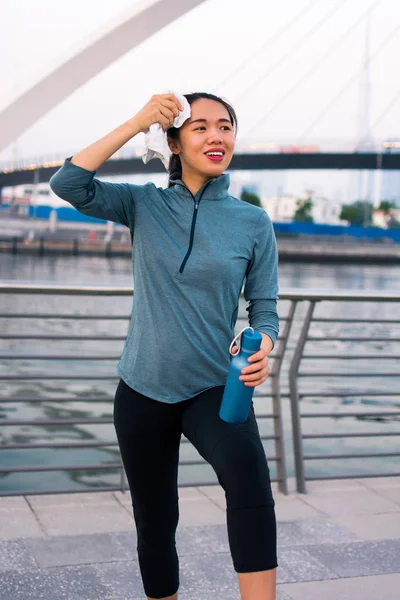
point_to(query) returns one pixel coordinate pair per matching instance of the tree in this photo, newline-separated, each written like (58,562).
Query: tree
(358,213)
(250,198)
(386,206)
(303,211)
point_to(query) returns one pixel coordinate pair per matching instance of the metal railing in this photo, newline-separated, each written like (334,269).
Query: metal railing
(297,396)
(40,337)
(58,422)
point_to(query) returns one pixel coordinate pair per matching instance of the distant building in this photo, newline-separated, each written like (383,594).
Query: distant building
(381,218)
(282,209)
(390,187)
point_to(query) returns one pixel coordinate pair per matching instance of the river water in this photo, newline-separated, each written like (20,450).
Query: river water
(117,271)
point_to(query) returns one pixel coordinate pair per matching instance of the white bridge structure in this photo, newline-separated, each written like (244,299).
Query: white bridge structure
(141,21)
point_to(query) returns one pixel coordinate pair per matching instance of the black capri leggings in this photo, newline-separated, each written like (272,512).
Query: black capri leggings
(149,434)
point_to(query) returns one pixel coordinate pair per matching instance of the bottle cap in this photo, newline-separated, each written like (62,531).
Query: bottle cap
(251,340)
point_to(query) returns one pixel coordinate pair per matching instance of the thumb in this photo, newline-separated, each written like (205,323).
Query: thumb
(235,350)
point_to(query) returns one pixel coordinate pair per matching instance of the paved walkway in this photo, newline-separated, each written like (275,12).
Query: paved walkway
(341,541)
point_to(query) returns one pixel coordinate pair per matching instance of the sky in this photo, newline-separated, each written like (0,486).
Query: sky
(290,83)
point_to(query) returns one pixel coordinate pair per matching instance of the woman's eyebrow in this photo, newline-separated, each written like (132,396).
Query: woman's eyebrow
(205,121)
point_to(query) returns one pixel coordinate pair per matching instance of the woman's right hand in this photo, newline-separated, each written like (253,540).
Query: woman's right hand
(161,108)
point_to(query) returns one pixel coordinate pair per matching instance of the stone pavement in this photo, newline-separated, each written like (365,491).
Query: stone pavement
(341,541)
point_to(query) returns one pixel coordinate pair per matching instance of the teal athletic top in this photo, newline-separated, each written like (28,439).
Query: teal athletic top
(191,257)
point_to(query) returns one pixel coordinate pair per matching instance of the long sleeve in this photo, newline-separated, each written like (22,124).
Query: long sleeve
(261,286)
(109,201)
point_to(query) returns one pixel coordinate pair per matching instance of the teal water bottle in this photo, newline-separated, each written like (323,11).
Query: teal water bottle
(236,400)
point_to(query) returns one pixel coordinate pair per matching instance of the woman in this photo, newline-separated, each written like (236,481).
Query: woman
(194,246)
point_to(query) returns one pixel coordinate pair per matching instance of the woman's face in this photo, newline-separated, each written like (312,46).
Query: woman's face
(206,140)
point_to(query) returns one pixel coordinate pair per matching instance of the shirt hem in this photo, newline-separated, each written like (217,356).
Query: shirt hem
(158,397)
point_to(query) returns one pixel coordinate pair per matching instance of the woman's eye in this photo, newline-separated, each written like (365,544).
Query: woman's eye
(226,127)
(198,128)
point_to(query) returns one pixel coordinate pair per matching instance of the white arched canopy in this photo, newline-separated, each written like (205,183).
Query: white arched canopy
(142,21)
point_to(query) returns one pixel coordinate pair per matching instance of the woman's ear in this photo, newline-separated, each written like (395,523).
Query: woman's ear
(174,146)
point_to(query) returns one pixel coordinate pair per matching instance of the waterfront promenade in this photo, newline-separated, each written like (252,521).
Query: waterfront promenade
(341,541)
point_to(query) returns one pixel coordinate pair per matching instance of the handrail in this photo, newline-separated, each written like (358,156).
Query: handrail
(288,294)
(297,397)
(296,333)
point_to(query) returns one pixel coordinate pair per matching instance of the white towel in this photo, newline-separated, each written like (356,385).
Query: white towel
(156,137)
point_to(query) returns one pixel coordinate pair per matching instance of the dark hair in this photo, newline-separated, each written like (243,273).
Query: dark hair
(175,166)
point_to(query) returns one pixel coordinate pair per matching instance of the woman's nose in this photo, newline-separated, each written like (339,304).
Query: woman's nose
(215,137)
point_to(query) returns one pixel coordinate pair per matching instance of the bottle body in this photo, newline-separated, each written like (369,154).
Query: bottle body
(237,397)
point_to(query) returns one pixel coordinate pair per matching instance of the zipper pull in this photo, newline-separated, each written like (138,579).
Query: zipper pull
(196,206)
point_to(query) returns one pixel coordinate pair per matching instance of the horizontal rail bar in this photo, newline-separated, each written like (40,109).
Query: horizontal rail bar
(61,377)
(58,376)
(22,399)
(82,358)
(33,399)
(56,357)
(90,290)
(334,320)
(103,488)
(72,317)
(343,374)
(347,476)
(52,445)
(57,338)
(352,356)
(350,414)
(328,436)
(376,394)
(352,339)
(107,467)
(43,468)
(338,456)
(95,421)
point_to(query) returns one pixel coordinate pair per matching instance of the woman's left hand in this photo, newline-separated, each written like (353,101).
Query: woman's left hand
(258,370)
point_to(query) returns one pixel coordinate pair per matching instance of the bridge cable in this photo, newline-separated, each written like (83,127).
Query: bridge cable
(348,83)
(269,41)
(299,43)
(392,102)
(313,68)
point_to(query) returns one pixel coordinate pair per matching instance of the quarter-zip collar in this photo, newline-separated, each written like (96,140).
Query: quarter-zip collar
(213,189)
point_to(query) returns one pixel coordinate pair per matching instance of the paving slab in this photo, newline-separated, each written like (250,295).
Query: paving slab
(200,511)
(121,580)
(84,519)
(382,587)
(291,508)
(68,583)
(375,527)
(58,500)
(348,503)
(334,485)
(376,483)
(76,550)
(15,555)
(19,523)
(307,532)
(298,564)
(359,559)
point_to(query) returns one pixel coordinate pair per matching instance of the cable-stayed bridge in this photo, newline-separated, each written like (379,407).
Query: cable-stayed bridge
(145,19)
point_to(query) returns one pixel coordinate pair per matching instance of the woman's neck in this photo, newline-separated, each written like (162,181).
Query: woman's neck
(194,182)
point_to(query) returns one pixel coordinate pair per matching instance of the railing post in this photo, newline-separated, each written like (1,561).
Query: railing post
(295,401)
(277,403)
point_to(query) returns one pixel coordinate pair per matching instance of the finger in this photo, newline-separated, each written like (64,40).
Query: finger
(173,99)
(167,118)
(256,366)
(258,355)
(255,374)
(172,106)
